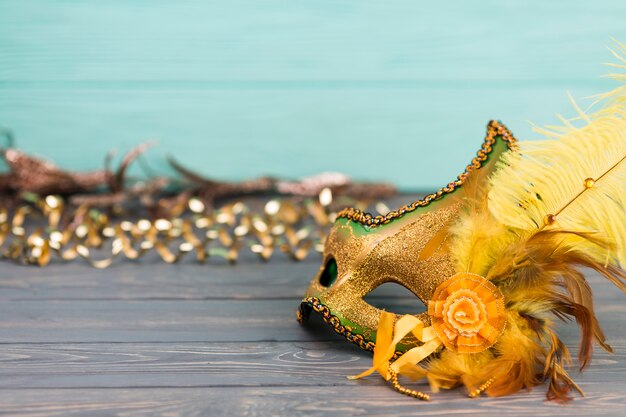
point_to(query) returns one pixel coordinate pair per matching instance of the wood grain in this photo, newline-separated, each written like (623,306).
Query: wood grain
(237,89)
(321,40)
(215,280)
(424,135)
(111,347)
(217,364)
(322,401)
(228,320)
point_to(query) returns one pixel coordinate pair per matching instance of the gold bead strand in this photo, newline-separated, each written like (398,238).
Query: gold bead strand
(481,389)
(406,391)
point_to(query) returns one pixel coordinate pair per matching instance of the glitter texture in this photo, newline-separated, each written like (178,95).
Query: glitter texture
(366,261)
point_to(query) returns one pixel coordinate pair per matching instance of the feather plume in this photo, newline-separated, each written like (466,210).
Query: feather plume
(531,228)
(547,178)
(476,241)
(551,210)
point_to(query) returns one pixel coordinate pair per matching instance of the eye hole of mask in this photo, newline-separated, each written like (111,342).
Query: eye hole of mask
(329,275)
(394,298)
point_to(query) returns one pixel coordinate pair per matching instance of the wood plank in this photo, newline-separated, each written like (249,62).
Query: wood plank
(154,280)
(319,79)
(318,40)
(419,138)
(159,321)
(180,364)
(375,401)
(153,365)
(193,320)
(141,321)
(47,373)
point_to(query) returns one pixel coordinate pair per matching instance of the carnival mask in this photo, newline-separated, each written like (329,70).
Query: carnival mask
(493,256)
(407,246)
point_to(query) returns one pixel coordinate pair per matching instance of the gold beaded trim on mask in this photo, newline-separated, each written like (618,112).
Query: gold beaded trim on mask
(494,128)
(316,305)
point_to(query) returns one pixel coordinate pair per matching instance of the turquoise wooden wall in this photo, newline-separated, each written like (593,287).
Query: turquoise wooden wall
(395,90)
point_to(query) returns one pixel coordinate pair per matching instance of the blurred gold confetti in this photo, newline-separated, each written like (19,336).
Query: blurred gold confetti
(42,229)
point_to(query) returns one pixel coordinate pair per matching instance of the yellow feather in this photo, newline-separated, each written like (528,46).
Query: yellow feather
(547,178)
(502,235)
(476,240)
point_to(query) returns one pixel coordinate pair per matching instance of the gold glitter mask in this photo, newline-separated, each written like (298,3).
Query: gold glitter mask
(406,246)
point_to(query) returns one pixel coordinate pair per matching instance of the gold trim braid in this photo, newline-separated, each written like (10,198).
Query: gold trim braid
(315,304)
(494,129)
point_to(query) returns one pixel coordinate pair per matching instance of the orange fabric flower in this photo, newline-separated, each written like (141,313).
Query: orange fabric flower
(467,313)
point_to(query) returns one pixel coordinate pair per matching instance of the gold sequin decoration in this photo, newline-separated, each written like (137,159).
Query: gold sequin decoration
(43,229)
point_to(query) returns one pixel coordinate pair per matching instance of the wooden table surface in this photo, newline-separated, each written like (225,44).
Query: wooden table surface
(154,339)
